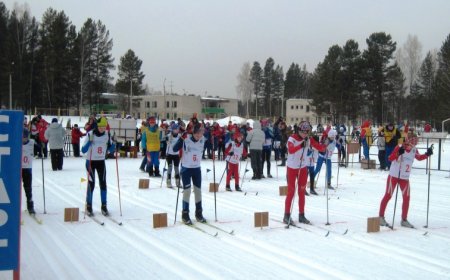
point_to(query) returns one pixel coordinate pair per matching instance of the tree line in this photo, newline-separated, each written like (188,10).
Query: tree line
(382,83)
(53,65)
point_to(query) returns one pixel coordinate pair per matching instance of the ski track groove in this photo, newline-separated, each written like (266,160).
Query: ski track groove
(408,259)
(260,253)
(164,250)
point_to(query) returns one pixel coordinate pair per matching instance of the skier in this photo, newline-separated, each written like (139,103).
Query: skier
(366,138)
(234,151)
(192,149)
(172,157)
(76,135)
(151,141)
(297,172)
(267,147)
(255,140)
(95,146)
(55,134)
(381,143)
(27,164)
(330,142)
(402,158)
(391,136)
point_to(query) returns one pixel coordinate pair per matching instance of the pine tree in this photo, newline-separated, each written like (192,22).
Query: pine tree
(377,59)
(256,77)
(130,75)
(443,82)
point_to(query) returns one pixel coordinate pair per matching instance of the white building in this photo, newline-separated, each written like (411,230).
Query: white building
(173,106)
(299,109)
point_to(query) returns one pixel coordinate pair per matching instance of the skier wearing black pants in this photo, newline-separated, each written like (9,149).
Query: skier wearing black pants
(27,164)
(95,147)
(55,135)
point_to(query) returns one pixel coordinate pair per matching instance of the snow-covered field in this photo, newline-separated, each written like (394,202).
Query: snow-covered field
(135,250)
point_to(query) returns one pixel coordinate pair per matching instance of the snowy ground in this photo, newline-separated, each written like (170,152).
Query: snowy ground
(86,250)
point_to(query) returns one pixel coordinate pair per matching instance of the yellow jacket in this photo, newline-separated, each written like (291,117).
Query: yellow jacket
(151,139)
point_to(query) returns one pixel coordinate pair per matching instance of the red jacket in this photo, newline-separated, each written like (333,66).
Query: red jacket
(76,135)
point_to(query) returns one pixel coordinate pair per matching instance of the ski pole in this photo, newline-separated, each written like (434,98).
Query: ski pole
(326,186)
(89,176)
(245,172)
(43,180)
(396,192)
(337,176)
(428,198)
(223,173)
(165,162)
(117,173)
(176,205)
(214,181)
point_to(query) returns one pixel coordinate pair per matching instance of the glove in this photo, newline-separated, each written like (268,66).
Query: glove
(91,137)
(429,151)
(231,153)
(401,151)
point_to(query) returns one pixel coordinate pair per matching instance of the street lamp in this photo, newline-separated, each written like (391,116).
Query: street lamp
(10,86)
(131,97)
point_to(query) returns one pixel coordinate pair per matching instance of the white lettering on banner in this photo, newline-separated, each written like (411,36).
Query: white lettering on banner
(4,119)
(4,198)
(3,242)
(3,217)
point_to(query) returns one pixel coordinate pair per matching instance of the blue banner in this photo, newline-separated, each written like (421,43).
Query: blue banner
(11,129)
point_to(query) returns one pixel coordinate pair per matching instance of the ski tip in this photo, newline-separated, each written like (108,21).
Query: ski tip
(425,233)
(245,193)
(256,193)
(328,233)
(345,232)
(215,235)
(232,232)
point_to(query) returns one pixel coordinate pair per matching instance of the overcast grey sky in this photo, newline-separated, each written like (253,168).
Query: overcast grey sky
(200,45)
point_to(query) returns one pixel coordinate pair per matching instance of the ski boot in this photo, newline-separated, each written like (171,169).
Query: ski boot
(169,183)
(89,211)
(157,174)
(405,223)
(199,216)
(30,207)
(302,219)
(287,219)
(330,187)
(306,193)
(383,222)
(269,176)
(185,218)
(312,191)
(237,188)
(227,188)
(150,173)
(105,211)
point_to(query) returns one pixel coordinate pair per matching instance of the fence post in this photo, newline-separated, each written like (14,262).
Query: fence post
(439,154)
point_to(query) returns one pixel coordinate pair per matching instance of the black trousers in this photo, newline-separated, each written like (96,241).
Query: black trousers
(27,177)
(57,156)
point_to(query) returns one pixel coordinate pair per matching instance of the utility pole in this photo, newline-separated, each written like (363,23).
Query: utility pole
(164,91)
(131,96)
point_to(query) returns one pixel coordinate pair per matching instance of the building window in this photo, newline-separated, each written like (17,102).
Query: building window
(175,115)
(167,115)
(174,104)
(292,119)
(296,107)
(301,107)
(167,104)
(296,119)
(307,108)
(154,104)
(147,104)
(292,107)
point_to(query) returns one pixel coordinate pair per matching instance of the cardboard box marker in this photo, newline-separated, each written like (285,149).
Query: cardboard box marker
(261,219)
(159,220)
(71,214)
(211,187)
(283,190)
(373,224)
(144,183)
(368,165)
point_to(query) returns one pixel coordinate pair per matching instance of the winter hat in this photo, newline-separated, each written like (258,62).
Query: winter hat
(151,120)
(236,135)
(174,126)
(102,122)
(54,120)
(75,125)
(304,126)
(197,128)
(411,138)
(332,133)
(26,133)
